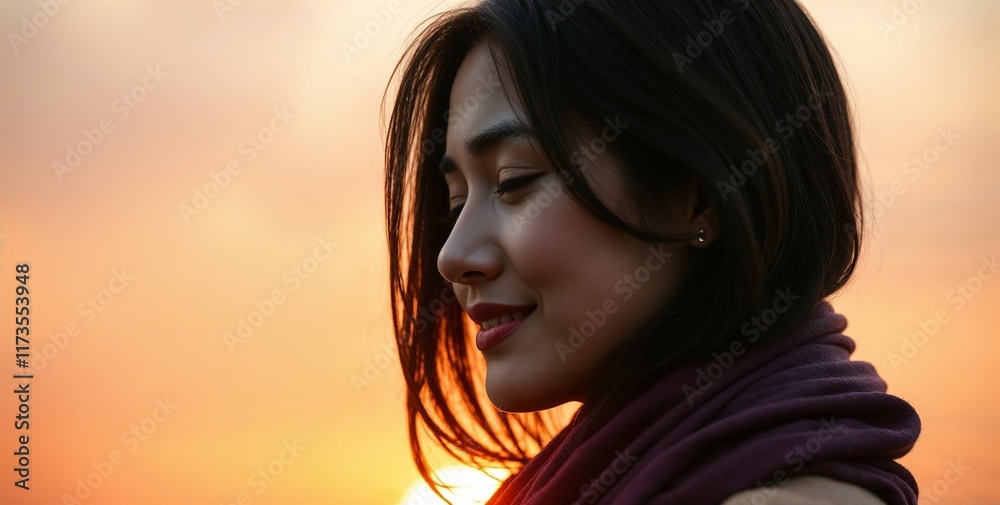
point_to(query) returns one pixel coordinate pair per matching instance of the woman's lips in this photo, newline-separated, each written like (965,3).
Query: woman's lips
(493,336)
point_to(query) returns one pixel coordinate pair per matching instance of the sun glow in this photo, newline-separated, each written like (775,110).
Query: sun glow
(471,486)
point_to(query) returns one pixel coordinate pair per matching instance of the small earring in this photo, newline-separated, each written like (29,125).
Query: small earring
(702,235)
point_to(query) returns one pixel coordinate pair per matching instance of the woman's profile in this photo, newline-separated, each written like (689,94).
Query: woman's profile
(643,207)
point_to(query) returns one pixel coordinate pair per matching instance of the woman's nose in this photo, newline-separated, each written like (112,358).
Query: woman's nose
(471,253)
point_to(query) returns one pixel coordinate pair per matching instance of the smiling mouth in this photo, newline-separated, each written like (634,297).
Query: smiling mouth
(506,318)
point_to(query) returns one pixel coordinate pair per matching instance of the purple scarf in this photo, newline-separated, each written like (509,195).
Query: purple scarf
(752,419)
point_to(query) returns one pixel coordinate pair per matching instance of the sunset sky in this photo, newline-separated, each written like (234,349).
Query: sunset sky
(198,192)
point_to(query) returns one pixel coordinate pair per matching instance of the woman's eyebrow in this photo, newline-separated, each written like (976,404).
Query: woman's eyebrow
(488,139)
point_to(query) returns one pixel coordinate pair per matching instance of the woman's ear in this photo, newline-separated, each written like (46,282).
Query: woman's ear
(704,226)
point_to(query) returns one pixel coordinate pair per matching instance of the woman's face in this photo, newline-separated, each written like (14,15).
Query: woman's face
(581,286)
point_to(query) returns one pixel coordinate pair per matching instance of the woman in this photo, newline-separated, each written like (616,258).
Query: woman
(643,206)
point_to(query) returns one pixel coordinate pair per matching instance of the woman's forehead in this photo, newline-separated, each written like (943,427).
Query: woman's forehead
(479,94)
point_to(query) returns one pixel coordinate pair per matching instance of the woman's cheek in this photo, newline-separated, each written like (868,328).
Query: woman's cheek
(548,241)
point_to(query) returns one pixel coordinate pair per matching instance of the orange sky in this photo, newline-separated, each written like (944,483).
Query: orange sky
(170,271)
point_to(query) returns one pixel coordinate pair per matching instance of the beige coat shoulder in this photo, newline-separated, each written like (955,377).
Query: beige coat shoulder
(807,490)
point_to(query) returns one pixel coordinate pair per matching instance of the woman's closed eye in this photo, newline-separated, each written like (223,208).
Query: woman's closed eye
(504,188)
(510,185)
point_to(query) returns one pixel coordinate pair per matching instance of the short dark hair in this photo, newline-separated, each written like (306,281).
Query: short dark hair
(742,97)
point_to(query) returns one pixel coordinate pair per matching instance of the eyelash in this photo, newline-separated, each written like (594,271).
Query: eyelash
(514,183)
(505,187)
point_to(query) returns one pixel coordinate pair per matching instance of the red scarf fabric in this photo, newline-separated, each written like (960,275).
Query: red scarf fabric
(789,407)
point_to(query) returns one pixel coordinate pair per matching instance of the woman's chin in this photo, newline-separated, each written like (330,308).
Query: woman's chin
(513,392)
